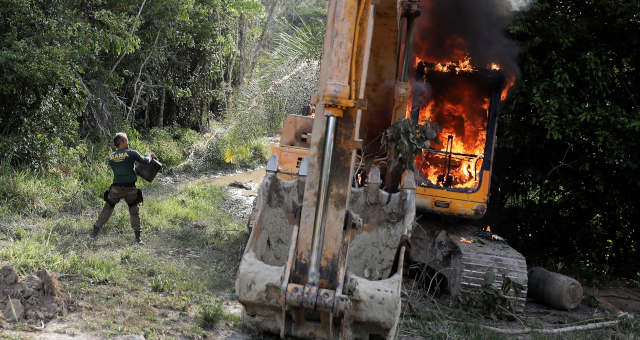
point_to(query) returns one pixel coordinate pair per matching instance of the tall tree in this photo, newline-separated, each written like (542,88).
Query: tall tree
(113,64)
(567,163)
(265,28)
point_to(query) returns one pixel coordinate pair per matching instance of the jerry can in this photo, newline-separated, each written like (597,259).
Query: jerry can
(148,171)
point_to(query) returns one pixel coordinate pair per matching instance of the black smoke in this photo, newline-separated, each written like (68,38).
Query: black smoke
(448,30)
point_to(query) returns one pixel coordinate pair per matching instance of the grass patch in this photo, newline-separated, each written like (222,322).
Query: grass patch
(210,314)
(180,279)
(33,252)
(436,326)
(101,268)
(162,284)
(10,337)
(435,321)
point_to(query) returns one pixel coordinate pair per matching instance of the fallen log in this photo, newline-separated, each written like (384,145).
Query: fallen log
(554,289)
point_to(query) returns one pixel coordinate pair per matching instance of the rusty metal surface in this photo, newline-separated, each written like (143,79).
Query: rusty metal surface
(296,131)
(357,295)
(376,303)
(325,299)
(385,219)
(295,295)
(333,77)
(381,78)
(277,206)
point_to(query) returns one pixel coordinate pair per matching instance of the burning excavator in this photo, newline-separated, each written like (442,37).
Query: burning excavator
(330,234)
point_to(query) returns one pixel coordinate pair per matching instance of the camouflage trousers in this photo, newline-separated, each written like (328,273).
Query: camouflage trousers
(116,193)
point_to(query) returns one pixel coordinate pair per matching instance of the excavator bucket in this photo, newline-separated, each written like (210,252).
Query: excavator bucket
(366,304)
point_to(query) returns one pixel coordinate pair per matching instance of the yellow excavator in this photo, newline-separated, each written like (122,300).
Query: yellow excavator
(330,236)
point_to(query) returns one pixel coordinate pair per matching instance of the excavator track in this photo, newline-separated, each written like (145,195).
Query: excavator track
(469,259)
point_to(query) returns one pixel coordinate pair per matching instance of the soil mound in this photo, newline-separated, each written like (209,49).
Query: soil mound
(36,298)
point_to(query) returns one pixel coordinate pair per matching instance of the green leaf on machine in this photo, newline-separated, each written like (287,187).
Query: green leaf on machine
(405,139)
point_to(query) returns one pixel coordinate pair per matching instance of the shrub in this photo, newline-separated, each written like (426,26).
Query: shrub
(210,314)
(231,151)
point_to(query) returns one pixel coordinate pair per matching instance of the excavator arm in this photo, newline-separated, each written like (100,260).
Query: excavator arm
(324,259)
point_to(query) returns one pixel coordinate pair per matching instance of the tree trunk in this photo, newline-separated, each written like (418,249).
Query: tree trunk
(204,110)
(161,113)
(238,77)
(265,27)
(146,116)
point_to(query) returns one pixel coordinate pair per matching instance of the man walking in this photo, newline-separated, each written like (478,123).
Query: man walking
(122,162)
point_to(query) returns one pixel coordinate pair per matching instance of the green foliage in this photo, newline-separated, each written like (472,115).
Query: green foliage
(404,139)
(299,13)
(73,68)
(210,314)
(567,160)
(231,151)
(81,174)
(171,145)
(161,284)
(39,98)
(283,83)
(300,43)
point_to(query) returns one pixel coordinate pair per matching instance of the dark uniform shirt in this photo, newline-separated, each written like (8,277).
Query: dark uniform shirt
(122,162)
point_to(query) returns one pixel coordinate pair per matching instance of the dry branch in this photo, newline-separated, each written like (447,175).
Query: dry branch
(527,330)
(133,26)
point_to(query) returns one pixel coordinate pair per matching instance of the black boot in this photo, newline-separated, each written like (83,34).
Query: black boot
(95,231)
(138,240)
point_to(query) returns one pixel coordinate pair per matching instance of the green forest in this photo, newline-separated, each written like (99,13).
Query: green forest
(204,83)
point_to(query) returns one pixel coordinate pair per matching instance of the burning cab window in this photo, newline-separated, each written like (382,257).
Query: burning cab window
(453,96)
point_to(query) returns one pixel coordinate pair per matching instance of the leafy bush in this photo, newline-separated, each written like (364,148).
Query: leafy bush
(171,145)
(566,166)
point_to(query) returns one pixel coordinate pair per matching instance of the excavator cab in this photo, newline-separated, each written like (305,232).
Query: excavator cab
(454,176)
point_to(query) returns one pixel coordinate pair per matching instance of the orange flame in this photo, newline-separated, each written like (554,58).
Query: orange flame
(464,240)
(467,127)
(488,229)
(510,81)
(463,115)
(463,65)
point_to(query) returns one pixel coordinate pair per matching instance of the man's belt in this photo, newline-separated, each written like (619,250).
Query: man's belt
(128,185)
